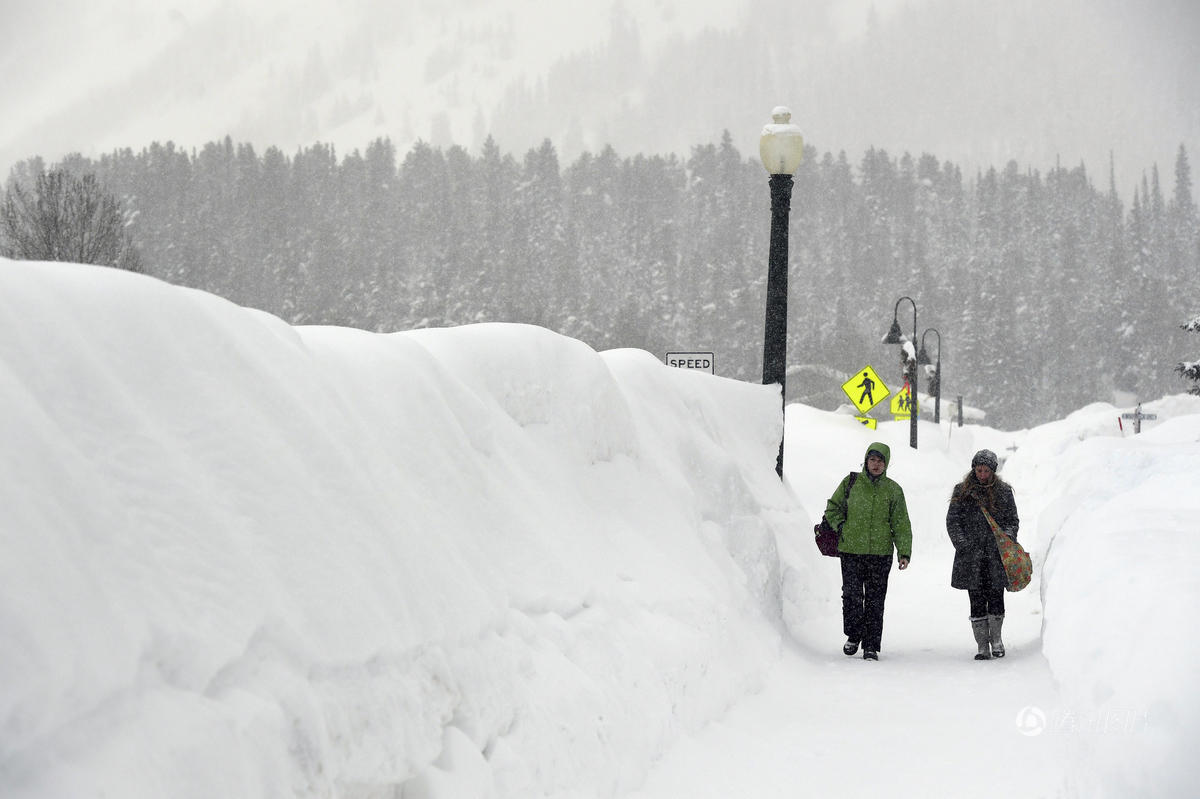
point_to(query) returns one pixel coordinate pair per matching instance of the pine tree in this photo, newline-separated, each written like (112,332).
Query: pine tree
(596,201)
(547,274)
(319,262)
(214,224)
(279,265)
(1184,252)
(496,286)
(1182,200)
(1190,370)
(160,193)
(459,226)
(423,205)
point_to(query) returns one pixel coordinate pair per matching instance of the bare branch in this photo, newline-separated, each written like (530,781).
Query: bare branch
(66,218)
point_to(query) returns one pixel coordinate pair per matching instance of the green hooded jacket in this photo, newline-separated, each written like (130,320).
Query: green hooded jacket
(875,516)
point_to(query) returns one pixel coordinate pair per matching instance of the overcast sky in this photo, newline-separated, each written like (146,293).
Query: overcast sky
(974,82)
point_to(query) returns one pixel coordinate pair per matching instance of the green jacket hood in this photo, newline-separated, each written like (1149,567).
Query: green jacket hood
(883,448)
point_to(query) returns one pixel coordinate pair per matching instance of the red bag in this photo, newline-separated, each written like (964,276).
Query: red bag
(827,537)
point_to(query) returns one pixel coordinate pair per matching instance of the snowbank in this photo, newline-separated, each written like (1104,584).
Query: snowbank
(242,559)
(248,560)
(1117,534)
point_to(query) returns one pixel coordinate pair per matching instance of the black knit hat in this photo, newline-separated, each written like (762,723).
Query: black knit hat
(985,457)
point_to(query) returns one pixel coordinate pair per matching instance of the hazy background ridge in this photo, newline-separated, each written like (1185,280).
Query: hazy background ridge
(973,82)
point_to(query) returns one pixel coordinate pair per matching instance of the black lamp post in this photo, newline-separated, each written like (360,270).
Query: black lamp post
(781,147)
(894,336)
(935,379)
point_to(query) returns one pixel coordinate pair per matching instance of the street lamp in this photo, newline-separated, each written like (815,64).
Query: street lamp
(909,356)
(781,148)
(935,379)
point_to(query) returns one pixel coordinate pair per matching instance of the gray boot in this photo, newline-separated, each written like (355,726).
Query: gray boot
(994,625)
(979,626)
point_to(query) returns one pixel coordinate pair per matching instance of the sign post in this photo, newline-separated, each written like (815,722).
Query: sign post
(1137,416)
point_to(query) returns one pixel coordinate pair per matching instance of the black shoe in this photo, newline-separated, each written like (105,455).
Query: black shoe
(851,647)
(870,654)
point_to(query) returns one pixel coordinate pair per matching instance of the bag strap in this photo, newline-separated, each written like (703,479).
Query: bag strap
(1001,537)
(991,522)
(846,495)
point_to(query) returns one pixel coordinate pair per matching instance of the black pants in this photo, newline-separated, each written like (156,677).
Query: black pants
(987,599)
(864,589)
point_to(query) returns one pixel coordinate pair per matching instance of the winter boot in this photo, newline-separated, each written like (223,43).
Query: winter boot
(994,625)
(979,626)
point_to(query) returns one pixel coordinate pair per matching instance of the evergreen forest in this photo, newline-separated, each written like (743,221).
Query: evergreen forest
(1046,292)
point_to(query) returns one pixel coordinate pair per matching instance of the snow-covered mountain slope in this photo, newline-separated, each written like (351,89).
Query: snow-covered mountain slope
(978,84)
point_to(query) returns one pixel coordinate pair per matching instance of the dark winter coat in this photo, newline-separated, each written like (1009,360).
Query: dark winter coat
(875,519)
(974,542)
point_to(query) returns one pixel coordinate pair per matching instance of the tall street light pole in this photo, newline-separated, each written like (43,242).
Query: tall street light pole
(909,356)
(781,148)
(935,379)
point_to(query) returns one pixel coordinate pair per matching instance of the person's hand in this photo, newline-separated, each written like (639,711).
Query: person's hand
(903,564)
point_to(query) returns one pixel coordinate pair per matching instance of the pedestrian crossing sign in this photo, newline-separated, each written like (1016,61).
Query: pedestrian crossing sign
(866,389)
(903,403)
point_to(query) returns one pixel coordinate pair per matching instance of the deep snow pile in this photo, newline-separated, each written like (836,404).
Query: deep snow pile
(243,559)
(1120,543)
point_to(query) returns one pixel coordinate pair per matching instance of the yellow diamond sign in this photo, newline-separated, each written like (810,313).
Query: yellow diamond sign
(866,389)
(904,403)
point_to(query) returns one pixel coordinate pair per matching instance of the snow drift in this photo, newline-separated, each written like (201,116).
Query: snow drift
(241,557)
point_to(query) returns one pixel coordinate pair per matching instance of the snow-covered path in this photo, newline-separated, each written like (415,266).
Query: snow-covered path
(927,719)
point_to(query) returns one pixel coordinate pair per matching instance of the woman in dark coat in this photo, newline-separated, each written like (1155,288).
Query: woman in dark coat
(977,566)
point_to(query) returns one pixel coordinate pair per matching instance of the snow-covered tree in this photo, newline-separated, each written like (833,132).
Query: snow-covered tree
(1190,370)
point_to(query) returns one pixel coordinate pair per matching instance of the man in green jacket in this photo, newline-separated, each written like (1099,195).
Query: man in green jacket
(872,520)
